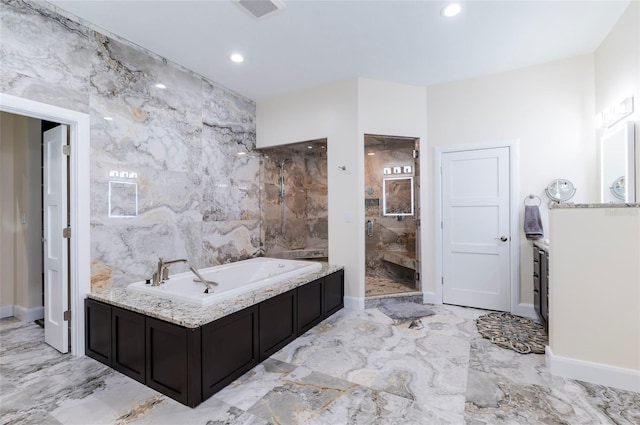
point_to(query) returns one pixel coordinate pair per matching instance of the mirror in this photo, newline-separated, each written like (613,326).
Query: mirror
(617,159)
(397,196)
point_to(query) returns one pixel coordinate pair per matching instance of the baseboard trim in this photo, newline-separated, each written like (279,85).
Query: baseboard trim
(353,303)
(430,298)
(526,310)
(596,373)
(6,311)
(28,314)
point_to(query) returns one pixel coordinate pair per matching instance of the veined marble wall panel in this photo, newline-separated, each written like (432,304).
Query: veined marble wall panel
(197,198)
(40,44)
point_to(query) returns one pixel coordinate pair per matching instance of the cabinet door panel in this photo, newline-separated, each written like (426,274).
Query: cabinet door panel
(333,293)
(128,343)
(229,349)
(310,301)
(167,359)
(98,331)
(277,323)
(544,286)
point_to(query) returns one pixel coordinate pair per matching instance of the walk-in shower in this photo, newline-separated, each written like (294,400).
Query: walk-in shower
(294,201)
(391,210)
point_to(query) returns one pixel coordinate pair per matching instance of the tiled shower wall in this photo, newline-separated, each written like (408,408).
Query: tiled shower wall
(190,146)
(389,234)
(297,221)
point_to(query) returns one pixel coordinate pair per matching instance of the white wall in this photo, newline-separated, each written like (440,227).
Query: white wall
(392,109)
(326,112)
(21,249)
(548,108)
(342,113)
(617,70)
(594,310)
(7,215)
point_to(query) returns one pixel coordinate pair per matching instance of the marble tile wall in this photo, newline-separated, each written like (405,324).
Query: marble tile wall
(299,220)
(389,234)
(190,145)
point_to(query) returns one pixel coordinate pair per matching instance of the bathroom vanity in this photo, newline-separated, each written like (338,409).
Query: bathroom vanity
(541,281)
(189,353)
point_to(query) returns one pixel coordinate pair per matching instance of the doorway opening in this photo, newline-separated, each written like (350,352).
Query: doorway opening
(36,255)
(78,260)
(392,250)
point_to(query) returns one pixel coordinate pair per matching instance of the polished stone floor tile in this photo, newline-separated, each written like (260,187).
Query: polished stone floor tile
(357,367)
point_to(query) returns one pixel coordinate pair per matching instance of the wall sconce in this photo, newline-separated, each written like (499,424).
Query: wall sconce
(614,113)
(123,174)
(386,170)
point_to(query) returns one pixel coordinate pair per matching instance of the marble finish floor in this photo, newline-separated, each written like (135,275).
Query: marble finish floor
(357,367)
(378,285)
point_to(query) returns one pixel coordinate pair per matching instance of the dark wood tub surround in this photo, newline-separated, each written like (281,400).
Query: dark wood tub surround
(191,364)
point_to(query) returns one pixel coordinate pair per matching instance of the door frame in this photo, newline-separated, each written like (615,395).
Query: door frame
(79,195)
(514,215)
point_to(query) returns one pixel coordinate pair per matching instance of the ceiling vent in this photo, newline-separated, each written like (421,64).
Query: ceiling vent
(260,8)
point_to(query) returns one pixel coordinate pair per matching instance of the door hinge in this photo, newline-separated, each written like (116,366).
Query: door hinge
(66,232)
(66,150)
(442,280)
(417,276)
(442,225)
(416,154)
(67,315)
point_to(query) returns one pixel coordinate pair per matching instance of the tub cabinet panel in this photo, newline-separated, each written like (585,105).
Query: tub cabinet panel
(172,354)
(191,364)
(128,343)
(229,349)
(309,305)
(98,331)
(278,318)
(333,293)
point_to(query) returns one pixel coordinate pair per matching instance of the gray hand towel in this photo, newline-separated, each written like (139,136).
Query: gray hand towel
(532,222)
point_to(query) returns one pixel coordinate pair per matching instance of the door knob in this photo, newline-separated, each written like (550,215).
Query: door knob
(502,238)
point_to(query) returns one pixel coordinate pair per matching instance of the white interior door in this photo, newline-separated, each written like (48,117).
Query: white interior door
(56,332)
(475,228)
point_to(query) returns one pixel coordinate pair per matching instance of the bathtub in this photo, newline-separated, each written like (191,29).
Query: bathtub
(233,279)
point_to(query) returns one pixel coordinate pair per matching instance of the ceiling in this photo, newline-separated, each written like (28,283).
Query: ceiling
(311,43)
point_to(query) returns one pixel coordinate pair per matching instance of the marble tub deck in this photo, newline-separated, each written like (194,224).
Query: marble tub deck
(356,367)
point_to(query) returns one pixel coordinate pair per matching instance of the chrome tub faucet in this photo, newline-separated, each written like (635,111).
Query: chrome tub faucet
(163,271)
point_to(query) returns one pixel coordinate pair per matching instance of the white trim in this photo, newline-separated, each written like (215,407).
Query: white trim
(596,373)
(353,303)
(526,310)
(6,311)
(28,314)
(80,257)
(431,298)
(514,213)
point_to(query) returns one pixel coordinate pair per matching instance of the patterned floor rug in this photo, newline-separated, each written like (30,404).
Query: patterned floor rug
(516,333)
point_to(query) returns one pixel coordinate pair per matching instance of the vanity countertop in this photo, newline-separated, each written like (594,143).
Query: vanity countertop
(191,316)
(610,205)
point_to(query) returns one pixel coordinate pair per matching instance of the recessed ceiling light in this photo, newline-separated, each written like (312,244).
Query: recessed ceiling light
(450,10)
(242,153)
(161,86)
(237,58)
(108,119)
(371,153)
(309,147)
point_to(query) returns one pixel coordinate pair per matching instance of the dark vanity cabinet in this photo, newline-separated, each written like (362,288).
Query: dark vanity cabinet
(541,283)
(191,364)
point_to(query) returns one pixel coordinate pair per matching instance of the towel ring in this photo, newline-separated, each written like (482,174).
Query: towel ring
(533,198)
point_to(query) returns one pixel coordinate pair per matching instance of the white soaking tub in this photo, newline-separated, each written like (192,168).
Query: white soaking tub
(233,279)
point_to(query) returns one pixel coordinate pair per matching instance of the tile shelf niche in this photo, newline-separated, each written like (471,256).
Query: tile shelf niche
(191,364)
